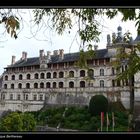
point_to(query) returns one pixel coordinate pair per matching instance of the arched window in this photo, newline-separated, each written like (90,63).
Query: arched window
(18,97)
(101,83)
(91,73)
(35,85)
(12,86)
(48,85)
(82,73)
(54,84)
(82,83)
(60,84)
(71,84)
(61,74)
(35,97)
(36,76)
(41,97)
(6,78)
(20,86)
(28,76)
(5,86)
(48,75)
(101,72)
(71,74)
(11,96)
(20,77)
(113,83)
(42,75)
(54,75)
(13,77)
(41,85)
(28,85)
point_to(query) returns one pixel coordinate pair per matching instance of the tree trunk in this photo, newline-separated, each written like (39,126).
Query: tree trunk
(132,95)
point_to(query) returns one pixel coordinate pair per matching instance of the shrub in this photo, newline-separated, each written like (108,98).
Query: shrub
(98,104)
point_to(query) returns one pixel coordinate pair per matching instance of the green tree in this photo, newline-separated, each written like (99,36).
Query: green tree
(17,122)
(98,104)
(12,122)
(28,121)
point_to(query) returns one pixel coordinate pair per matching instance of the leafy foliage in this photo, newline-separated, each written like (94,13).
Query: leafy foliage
(17,122)
(11,25)
(79,118)
(98,104)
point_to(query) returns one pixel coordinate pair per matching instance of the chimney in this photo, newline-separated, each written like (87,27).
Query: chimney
(13,60)
(48,55)
(61,53)
(41,53)
(108,39)
(55,52)
(95,47)
(23,56)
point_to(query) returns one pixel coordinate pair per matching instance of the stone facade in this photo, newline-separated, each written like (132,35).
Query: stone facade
(30,83)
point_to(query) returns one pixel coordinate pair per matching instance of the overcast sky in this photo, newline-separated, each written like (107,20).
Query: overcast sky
(51,41)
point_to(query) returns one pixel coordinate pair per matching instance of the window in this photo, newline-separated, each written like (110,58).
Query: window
(28,76)
(71,84)
(82,73)
(54,75)
(126,82)
(26,97)
(36,76)
(126,67)
(71,74)
(48,85)
(61,74)
(82,83)
(18,97)
(13,77)
(101,72)
(113,71)
(27,85)
(12,86)
(20,86)
(122,68)
(48,75)
(3,96)
(101,83)
(41,97)
(35,97)
(113,83)
(35,85)
(60,84)
(54,84)
(118,83)
(41,85)
(42,76)
(5,86)
(11,96)
(91,73)
(20,77)
(6,78)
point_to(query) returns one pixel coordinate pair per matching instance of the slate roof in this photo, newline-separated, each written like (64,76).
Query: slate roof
(137,39)
(103,53)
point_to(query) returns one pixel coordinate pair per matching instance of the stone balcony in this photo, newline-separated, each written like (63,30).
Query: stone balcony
(67,90)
